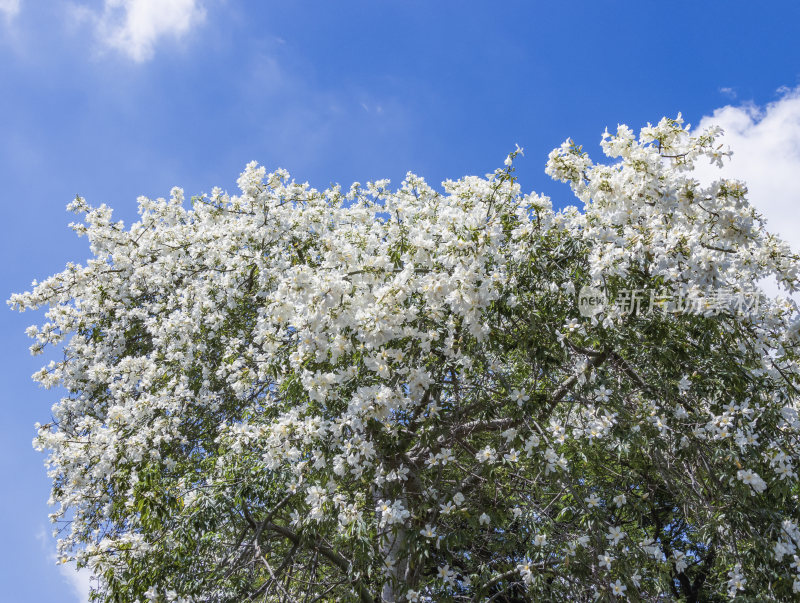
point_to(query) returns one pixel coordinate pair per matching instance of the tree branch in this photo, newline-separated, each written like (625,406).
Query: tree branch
(329,554)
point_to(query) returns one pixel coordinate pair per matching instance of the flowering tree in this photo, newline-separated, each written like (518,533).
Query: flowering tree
(302,395)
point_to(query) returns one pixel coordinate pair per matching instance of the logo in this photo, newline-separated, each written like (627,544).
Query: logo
(591,301)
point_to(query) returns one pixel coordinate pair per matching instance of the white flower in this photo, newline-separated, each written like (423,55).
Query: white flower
(605,559)
(592,501)
(389,563)
(620,500)
(752,479)
(615,534)
(540,540)
(649,547)
(680,561)
(447,507)
(660,423)
(602,394)
(618,588)
(784,471)
(446,574)
(484,519)
(509,434)
(519,397)
(525,570)
(488,454)
(531,443)
(736,581)
(391,513)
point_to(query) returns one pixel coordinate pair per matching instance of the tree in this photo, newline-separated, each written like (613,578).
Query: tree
(303,395)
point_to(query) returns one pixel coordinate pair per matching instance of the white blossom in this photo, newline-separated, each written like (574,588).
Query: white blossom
(333,369)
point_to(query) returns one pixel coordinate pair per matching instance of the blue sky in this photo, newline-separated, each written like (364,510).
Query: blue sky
(112,99)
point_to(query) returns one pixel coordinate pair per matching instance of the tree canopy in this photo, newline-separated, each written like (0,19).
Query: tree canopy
(396,395)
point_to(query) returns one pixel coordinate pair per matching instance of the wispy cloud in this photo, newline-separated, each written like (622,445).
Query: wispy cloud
(9,8)
(305,121)
(766,155)
(134,27)
(79,580)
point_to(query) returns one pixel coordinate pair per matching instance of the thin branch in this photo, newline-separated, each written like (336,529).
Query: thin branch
(327,552)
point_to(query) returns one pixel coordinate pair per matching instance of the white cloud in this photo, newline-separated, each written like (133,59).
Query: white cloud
(766,155)
(133,27)
(79,580)
(9,8)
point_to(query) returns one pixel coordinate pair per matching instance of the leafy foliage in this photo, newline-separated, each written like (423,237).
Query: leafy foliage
(302,395)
